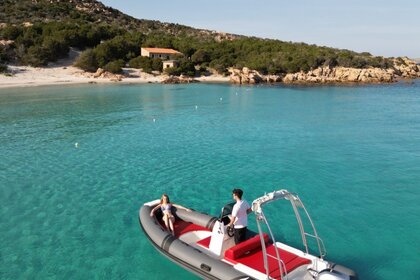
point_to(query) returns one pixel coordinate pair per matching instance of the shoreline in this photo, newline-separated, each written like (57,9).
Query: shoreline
(61,74)
(26,76)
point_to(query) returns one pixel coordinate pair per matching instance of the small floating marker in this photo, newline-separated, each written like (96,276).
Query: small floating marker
(196,107)
(154,120)
(221,98)
(76,145)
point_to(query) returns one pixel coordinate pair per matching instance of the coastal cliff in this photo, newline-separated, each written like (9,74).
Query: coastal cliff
(403,68)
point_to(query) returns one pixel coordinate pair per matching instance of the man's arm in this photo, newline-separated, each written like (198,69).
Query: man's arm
(232,221)
(233,216)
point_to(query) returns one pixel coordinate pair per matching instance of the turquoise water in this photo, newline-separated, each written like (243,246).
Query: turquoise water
(352,154)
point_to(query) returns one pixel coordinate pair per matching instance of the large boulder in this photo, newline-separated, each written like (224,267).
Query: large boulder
(353,75)
(406,68)
(236,79)
(245,76)
(98,73)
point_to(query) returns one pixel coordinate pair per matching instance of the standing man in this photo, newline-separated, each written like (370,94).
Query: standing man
(239,216)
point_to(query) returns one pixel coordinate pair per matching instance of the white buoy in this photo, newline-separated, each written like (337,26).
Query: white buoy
(196,107)
(154,120)
(76,145)
(221,98)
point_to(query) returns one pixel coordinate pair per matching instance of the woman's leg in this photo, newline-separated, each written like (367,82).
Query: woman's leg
(171,224)
(165,219)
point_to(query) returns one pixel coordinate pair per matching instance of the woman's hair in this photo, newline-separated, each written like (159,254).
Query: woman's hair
(167,197)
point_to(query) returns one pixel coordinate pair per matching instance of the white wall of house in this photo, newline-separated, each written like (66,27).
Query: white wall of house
(144,52)
(169,64)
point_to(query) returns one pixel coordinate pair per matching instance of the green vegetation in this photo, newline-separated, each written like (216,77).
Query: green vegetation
(146,64)
(115,66)
(186,67)
(112,40)
(3,68)
(41,43)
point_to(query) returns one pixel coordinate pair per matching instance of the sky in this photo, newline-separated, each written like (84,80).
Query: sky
(385,28)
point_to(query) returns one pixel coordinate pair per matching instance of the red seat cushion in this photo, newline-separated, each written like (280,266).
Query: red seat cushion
(255,260)
(181,227)
(245,247)
(284,255)
(290,266)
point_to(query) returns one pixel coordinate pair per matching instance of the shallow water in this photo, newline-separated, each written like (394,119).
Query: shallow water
(351,153)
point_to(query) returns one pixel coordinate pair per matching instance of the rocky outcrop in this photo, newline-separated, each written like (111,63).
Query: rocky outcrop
(402,68)
(178,80)
(102,74)
(247,76)
(342,75)
(406,68)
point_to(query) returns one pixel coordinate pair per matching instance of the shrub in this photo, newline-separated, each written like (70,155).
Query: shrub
(3,68)
(141,62)
(157,64)
(36,56)
(200,56)
(87,61)
(115,66)
(11,32)
(173,71)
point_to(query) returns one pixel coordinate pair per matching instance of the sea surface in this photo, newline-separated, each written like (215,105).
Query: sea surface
(77,162)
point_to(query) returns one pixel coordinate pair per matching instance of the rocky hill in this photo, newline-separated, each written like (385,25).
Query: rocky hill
(29,12)
(37,32)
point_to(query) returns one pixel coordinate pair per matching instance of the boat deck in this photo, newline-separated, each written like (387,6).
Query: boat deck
(248,254)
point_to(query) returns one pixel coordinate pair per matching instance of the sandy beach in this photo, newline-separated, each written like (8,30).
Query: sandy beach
(63,73)
(25,76)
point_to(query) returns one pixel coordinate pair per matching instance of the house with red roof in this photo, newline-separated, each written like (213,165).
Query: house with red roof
(161,53)
(168,56)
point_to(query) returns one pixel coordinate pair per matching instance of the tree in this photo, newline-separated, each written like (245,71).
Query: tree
(115,66)
(141,62)
(56,48)
(200,56)
(87,61)
(36,56)
(157,64)
(11,32)
(3,68)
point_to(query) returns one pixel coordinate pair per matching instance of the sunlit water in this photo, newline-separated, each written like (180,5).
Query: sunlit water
(70,211)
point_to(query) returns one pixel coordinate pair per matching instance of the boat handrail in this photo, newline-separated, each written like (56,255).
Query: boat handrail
(283,269)
(296,203)
(323,252)
(261,217)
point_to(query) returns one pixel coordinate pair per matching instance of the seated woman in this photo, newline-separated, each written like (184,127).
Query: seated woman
(166,207)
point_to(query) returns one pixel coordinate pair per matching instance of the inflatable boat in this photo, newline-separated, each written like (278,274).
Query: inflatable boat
(205,245)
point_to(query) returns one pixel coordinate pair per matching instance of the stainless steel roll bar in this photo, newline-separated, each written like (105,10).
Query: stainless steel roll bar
(296,204)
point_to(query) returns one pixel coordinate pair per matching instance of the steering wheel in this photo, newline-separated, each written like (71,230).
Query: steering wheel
(230,231)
